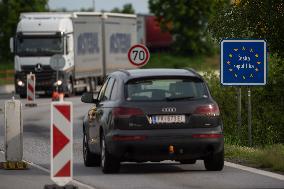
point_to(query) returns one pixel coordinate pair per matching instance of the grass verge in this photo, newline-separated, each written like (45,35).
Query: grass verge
(269,157)
(168,60)
(6,78)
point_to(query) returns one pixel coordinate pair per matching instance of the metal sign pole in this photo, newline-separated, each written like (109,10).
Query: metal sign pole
(249,118)
(56,80)
(57,62)
(239,110)
(104,17)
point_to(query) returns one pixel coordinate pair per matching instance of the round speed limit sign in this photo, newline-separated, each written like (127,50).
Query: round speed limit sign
(138,55)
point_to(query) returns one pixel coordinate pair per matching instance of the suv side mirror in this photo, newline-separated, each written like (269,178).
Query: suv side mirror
(88,97)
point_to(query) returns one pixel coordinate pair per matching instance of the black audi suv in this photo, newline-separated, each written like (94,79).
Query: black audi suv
(153,115)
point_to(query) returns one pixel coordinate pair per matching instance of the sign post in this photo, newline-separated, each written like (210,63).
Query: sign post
(239,110)
(61,138)
(243,63)
(57,62)
(138,55)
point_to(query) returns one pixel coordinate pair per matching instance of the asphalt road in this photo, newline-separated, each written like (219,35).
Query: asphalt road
(165,175)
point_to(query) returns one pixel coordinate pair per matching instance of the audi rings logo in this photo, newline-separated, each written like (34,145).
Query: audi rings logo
(38,67)
(169,109)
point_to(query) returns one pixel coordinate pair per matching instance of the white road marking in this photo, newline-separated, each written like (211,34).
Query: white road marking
(48,171)
(256,171)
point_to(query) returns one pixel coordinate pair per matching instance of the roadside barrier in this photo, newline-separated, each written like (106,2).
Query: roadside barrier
(13,136)
(61,141)
(31,90)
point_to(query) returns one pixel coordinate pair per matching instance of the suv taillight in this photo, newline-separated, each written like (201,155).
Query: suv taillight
(208,110)
(125,112)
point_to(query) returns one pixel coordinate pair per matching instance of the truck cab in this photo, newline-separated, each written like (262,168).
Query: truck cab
(39,37)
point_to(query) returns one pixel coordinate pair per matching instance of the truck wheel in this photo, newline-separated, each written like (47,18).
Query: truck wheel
(70,88)
(215,162)
(109,163)
(90,159)
(23,96)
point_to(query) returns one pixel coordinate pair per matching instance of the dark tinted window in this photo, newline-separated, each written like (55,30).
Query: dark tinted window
(165,89)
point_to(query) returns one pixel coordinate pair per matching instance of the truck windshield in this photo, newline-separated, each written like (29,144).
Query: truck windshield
(39,46)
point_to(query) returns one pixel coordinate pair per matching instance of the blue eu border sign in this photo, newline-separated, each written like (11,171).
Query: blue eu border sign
(243,62)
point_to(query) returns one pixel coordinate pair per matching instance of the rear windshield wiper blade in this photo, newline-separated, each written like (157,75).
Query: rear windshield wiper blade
(179,98)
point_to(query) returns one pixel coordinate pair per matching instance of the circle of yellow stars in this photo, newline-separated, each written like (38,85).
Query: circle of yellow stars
(251,50)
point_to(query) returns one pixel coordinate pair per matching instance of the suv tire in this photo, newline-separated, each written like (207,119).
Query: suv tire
(109,163)
(215,162)
(90,159)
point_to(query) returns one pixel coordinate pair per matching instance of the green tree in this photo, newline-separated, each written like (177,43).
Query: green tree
(187,21)
(127,9)
(252,19)
(9,16)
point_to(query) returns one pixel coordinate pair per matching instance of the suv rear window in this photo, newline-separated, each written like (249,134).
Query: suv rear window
(165,89)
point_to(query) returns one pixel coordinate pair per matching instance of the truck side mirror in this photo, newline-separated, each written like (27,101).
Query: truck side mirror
(12,45)
(69,44)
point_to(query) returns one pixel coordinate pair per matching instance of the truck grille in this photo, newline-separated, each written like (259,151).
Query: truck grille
(45,77)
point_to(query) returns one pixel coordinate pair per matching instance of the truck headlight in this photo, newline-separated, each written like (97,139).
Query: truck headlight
(58,82)
(20,83)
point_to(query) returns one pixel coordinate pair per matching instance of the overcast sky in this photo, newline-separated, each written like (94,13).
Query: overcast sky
(140,6)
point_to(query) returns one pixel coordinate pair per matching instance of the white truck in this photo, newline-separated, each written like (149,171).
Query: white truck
(90,44)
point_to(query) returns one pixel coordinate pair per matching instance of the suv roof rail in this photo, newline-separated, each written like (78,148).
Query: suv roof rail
(193,71)
(124,71)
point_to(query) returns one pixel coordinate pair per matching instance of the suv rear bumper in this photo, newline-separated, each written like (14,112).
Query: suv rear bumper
(153,145)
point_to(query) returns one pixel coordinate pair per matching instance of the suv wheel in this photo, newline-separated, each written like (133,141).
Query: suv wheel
(215,162)
(90,159)
(109,163)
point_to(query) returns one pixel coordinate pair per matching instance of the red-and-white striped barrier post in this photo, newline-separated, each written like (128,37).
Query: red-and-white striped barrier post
(31,87)
(61,138)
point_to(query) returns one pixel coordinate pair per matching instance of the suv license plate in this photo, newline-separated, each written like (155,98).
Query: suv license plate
(157,119)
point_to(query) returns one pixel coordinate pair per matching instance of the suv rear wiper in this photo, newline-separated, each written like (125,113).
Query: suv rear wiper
(179,98)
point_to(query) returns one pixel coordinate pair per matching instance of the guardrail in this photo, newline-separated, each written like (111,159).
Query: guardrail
(7,75)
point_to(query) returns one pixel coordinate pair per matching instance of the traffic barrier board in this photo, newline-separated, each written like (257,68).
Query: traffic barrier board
(31,87)
(13,131)
(243,62)
(31,90)
(61,142)
(13,136)
(138,55)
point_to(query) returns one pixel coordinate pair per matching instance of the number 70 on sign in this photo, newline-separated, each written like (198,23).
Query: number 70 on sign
(138,55)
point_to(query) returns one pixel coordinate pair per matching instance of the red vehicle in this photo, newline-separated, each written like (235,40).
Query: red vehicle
(150,33)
